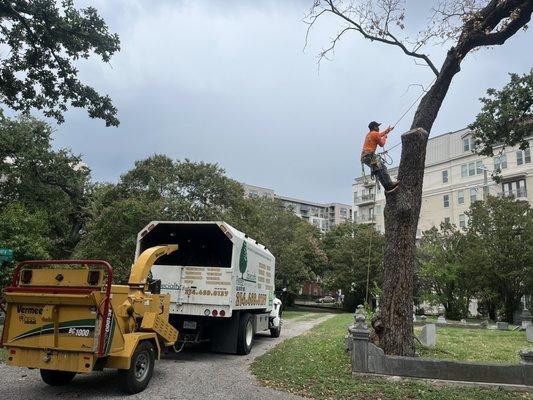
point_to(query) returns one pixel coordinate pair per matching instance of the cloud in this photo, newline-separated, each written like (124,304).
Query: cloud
(229,82)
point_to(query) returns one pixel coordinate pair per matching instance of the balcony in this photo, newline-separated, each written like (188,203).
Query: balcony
(364,219)
(520,193)
(365,199)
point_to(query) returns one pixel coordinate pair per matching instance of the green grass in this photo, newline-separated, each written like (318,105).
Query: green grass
(315,365)
(476,345)
(293,314)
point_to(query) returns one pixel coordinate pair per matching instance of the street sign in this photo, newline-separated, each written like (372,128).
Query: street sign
(6,255)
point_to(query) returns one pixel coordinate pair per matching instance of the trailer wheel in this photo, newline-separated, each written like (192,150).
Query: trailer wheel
(56,378)
(246,334)
(136,378)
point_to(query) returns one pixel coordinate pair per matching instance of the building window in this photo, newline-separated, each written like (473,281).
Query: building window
(446,200)
(500,162)
(355,198)
(523,157)
(464,171)
(445,176)
(462,221)
(473,195)
(460,197)
(467,144)
(515,188)
(371,214)
(446,220)
(471,169)
(378,210)
(479,167)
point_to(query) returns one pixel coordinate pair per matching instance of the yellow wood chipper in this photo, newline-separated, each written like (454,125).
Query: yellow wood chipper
(66,317)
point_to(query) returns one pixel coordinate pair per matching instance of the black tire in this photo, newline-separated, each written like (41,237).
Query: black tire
(244,340)
(136,378)
(275,332)
(57,378)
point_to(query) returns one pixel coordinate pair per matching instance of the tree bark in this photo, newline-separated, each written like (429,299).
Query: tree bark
(401,213)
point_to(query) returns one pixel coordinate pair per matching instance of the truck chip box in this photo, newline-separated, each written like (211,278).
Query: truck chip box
(221,283)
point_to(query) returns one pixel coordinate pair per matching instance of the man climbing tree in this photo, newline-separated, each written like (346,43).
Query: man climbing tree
(469,25)
(373,139)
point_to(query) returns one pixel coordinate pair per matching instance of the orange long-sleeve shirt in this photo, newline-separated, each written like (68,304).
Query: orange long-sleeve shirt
(373,139)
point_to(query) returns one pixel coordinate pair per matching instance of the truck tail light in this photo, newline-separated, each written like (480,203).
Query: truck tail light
(214,313)
(222,313)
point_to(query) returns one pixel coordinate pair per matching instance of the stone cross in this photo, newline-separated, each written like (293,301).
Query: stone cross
(502,326)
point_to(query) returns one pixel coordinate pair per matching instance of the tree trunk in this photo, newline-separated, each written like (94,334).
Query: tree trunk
(401,213)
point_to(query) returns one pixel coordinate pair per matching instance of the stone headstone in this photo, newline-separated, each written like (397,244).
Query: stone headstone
(526,356)
(428,336)
(484,324)
(502,326)
(526,318)
(463,321)
(529,333)
(441,319)
(414,317)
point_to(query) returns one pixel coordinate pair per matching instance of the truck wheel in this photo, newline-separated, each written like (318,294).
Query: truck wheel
(136,378)
(275,332)
(246,334)
(56,378)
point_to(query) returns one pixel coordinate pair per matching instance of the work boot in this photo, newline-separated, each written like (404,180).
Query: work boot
(392,187)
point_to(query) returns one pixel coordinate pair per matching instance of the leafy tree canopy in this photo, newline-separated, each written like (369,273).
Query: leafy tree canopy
(506,117)
(354,253)
(43,179)
(42,40)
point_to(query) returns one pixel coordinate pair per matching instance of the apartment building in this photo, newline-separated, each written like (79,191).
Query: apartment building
(323,216)
(454,177)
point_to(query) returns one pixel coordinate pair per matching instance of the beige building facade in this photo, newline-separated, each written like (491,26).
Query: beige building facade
(454,177)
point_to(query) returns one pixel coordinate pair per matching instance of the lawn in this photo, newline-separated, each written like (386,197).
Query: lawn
(302,315)
(316,365)
(476,345)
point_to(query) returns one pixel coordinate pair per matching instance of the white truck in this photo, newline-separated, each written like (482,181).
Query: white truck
(220,281)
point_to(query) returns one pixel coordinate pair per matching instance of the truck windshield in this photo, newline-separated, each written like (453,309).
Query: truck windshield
(200,245)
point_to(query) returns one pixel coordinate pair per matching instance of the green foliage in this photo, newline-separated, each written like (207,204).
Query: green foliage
(41,40)
(444,278)
(294,242)
(43,179)
(506,117)
(315,365)
(492,261)
(156,188)
(500,237)
(353,251)
(26,233)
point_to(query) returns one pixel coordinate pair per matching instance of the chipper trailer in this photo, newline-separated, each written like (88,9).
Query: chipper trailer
(66,317)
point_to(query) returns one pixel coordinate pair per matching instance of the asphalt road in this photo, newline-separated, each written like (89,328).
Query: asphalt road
(188,375)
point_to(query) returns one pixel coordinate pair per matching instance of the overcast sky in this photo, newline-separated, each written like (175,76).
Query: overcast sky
(229,82)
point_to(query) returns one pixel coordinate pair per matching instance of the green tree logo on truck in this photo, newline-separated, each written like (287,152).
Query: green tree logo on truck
(243,260)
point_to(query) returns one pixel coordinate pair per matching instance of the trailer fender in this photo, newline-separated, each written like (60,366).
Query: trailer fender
(122,359)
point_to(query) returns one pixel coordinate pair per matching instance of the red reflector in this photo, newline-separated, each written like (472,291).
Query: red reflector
(13,352)
(222,313)
(214,313)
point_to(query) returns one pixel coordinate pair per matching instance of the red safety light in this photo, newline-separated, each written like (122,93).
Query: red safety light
(214,313)
(222,313)
(13,352)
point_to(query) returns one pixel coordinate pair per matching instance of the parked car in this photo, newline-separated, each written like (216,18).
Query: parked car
(325,299)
